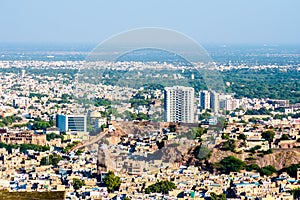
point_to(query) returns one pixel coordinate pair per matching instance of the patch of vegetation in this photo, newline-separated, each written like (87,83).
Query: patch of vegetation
(134,116)
(41,125)
(204,115)
(225,136)
(69,146)
(214,196)
(101,102)
(296,193)
(268,170)
(255,148)
(228,145)
(268,135)
(52,159)
(79,152)
(250,158)
(112,181)
(252,167)
(285,137)
(202,152)
(52,136)
(160,187)
(292,170)
(38,95)
(231,164)
(6,121)
(267,83)
(24,147)
(261,111)
(242,136)
(78,183)
(136,102)
(263,153)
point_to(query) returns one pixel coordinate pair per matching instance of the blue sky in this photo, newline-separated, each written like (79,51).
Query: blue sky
(91,21)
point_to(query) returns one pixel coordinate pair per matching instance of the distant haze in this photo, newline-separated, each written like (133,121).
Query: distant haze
(214,21)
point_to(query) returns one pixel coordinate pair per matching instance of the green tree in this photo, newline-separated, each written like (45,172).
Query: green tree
(296,193)
(78,152)
(78,183)
(52,136)
(25,147)
(199,132)
(112,181)
(214,196)
(231,164)
(252,167)
(292,170)
(225,136)
(204,115)
(37,125)
(101,102)
(268,135)
(285,137)
(160,187)
(229,145)
(10,119)
(242,136)
(70,146)
(268,170)
(52,159)
(256,147)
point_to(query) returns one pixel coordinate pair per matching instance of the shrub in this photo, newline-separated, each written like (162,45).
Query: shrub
(231,164)
(160,187)
(268,170)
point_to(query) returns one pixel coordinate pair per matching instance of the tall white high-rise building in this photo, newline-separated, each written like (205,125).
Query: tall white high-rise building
(215,101)
(179,104)
(204,99)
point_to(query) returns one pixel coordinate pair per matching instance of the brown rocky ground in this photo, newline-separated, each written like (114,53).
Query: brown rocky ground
(279,158)
(183,150)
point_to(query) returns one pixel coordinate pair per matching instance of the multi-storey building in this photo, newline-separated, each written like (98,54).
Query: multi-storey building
(204,99)
(71,123)
(215,101)
(22,137)
(179,104)
(21,102)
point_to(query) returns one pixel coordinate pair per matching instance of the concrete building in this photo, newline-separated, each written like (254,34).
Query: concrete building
(21,102)
(278,102)
(231,104)
(204,99)
(71,123)
(215,101)
(179,104)
(23,137)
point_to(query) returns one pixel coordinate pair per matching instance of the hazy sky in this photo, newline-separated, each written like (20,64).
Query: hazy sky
(209,21)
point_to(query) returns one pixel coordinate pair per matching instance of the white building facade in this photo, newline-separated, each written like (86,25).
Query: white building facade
(204,99)
(179,104)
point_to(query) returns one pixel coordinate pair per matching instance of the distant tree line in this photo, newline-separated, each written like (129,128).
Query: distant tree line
(24,147)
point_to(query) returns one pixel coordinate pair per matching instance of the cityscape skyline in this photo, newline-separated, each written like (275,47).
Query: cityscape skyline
(150,100)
